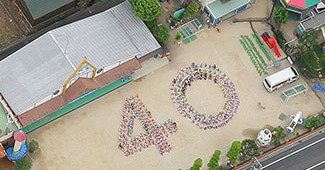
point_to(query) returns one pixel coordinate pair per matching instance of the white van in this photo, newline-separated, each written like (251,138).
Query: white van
(280,78)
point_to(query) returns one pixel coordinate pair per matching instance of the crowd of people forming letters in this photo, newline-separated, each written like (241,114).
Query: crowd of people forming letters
(154,134)
(186,77)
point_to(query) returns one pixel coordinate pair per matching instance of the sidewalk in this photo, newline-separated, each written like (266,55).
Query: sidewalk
(289,144)
(149,66)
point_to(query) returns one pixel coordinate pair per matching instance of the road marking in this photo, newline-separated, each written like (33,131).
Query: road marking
(293,153)
(316,165)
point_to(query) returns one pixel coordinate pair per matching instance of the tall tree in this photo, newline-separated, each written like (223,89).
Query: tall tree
(161,33)
(281,15)
(248,149)
(191,10)
(308,42)
(147,10)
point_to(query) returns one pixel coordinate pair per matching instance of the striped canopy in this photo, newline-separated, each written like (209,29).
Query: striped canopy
(302,3)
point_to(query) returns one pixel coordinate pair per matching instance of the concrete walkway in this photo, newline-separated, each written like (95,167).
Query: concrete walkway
(149,66)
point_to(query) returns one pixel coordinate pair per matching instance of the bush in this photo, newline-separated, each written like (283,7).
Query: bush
(197,164)
(33,146)
(248,149)
(23,164)
(161,33)
(178,37)
(278,134)
(313,122)
(214,161)
(233,152)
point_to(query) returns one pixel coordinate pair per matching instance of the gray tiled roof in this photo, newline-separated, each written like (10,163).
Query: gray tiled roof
(41,67)
(33,73)
(136,29)
(314,22)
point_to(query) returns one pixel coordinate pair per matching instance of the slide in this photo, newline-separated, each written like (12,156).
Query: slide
(273,43)
(21,154)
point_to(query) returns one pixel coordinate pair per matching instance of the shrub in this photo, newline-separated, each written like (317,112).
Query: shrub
(23,164)
(214,161)
(313,122)
(248,149)
(278,134)
(197,164)
(178,37)
(233,152)
(33,146)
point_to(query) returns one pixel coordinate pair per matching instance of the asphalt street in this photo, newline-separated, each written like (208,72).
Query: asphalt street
(308,154)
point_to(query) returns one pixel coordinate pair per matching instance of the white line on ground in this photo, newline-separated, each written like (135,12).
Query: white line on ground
(293,153)
(316,165)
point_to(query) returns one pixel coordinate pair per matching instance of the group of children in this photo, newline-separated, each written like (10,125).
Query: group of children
(186,77)
(153,134)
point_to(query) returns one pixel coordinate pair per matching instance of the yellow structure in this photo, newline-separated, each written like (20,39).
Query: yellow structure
(76,71)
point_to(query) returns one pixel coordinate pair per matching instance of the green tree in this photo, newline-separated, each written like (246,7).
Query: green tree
(278,134)
(313,122)
(147,10)
(234,150)
(197,164)
(151,24)
(248,149)
(214,161)
(191,10)
(281,15)
(308,43)
(161,33)
(310,53)
(33,146)
(23,164)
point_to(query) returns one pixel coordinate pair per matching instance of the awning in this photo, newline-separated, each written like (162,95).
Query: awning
(302,3)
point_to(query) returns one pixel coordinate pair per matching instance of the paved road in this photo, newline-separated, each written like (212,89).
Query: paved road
(306,155)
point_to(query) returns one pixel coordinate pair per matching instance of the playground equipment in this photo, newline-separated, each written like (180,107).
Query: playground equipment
(271,42)
(293,91)
(319,87)
(296,119)
(263,138)
(20,148)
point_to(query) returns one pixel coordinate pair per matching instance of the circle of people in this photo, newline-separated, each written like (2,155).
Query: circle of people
(186,77)
(153,134)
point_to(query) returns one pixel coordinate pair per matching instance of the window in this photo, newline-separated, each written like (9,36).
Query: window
(56,92)
(99,71)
